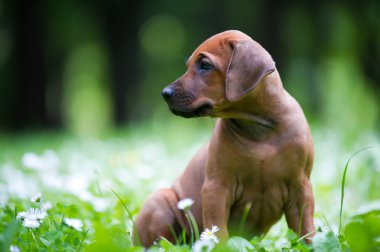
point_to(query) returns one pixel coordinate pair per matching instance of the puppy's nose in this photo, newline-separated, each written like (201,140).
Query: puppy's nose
(167,93)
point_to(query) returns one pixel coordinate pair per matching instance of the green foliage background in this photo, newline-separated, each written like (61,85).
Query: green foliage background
(327,54)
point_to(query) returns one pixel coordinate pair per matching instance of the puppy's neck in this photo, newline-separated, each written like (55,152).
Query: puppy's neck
(255,130)
(260,113)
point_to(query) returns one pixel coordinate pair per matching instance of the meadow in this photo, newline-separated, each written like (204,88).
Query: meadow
(84,191)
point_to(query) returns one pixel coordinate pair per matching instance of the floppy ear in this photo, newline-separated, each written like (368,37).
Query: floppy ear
(248,65)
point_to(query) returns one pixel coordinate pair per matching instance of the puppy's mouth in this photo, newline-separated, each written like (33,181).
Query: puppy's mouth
(203,110)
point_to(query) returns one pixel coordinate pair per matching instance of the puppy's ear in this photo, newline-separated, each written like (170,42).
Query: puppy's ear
(248,65)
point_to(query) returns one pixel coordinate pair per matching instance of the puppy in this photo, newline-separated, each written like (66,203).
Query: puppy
(260,154)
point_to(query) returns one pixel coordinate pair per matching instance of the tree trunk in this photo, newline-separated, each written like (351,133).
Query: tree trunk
(122,34)
(28,107)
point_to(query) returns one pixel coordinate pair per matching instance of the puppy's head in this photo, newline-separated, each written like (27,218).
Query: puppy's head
(220,72)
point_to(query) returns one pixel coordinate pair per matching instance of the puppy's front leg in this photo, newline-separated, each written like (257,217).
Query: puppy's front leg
(300,212)
(216,202)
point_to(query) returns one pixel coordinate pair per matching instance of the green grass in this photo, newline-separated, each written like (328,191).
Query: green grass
(103,182)
(343,187)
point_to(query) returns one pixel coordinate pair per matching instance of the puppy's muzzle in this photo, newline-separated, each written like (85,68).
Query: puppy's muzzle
(181,103)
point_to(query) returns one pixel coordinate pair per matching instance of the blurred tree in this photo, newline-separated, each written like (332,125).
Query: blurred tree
(28,85)
(46,49)
(122,26)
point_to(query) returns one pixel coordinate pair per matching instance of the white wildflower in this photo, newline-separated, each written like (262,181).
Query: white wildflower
(185,204)
(74,223)
(31,223)
(32,213)
(36,213)
(47,161)
(203,246)
(31,160)
(18,183)
(21,215)
(99,204)
(36,198)
(210,234)
(14,248)
(51,159)
(47,206)
(32,218)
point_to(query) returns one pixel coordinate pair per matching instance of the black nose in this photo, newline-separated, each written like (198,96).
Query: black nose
(167,93)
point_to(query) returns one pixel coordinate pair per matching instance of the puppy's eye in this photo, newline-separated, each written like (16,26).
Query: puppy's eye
(205,66)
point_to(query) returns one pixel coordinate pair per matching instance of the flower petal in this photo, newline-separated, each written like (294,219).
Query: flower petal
(185,204)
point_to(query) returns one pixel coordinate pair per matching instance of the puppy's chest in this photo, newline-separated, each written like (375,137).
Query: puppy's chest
(258,168)
(262,195)
(260,181)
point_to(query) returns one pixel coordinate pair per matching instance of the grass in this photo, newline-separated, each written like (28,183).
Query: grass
(343,187)
(102,182)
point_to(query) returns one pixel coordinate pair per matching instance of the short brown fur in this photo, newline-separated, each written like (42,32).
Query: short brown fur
(260,154)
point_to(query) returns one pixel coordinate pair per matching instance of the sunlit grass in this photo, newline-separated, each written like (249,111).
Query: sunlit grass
(104,181)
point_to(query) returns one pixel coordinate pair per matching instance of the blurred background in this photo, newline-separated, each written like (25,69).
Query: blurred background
(81,110)
(90,66)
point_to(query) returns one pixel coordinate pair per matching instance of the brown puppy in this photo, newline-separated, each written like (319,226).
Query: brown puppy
(260,154)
